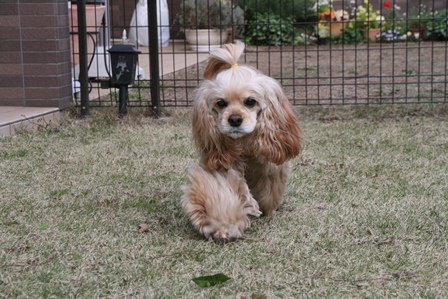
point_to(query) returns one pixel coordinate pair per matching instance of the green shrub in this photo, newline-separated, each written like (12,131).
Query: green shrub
(437,27)
(419,17)
(271,30)
(349,36)
(299,10)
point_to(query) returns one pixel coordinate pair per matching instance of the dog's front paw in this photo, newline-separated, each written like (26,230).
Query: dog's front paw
(223,234)
(252,208)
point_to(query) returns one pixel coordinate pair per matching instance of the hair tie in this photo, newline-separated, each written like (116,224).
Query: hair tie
(234,65)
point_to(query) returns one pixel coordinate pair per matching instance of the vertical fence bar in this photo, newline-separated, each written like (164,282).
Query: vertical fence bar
(154,57)
(83,71)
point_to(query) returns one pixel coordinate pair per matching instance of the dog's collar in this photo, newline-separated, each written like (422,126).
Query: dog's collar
(234,65)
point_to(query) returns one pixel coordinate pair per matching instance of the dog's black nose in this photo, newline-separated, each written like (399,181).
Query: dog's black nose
(235,120)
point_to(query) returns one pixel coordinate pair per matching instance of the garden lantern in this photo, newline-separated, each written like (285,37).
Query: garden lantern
(124,59)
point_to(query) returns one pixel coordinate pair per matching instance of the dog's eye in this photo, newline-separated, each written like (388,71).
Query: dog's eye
(250,102)
(221,103)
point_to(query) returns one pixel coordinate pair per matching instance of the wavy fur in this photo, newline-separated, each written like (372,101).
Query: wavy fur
(245,133)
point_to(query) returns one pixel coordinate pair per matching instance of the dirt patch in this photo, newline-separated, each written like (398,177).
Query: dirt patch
(334,74)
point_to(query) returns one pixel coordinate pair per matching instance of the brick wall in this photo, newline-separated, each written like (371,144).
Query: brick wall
(34,53)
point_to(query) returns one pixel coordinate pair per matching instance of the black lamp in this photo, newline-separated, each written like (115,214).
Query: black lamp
(124,59)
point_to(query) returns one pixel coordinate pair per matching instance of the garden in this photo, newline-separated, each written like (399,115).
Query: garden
(307,21)
(319,53)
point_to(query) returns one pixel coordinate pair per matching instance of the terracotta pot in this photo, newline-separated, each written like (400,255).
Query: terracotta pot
(205,40)
(418,32)
(371,33)
(336,28)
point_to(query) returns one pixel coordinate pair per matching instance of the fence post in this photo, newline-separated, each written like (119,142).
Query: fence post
(154,56)
(83,71)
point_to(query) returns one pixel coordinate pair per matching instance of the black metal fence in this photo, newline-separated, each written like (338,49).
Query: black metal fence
(319,54)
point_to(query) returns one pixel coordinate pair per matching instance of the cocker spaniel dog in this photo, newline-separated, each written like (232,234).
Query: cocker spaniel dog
(245,133)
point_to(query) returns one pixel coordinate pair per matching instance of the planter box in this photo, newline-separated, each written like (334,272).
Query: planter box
(371,33)
(336,28)
(205,40)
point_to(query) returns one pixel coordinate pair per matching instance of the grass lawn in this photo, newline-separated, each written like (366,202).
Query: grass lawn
(365,214)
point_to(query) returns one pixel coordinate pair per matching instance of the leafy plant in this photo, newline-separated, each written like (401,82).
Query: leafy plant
(437,28)
(322,29)
(393,18)
(300,10)
(349,36)
(366,17)
(209,281)
(323,7)
(271,30)
(419,17)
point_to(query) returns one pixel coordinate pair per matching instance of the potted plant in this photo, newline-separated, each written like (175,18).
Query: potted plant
(368,21)
(337,21)
(207,23)
(321,6)
(436,28)
(418,20)
(322,33)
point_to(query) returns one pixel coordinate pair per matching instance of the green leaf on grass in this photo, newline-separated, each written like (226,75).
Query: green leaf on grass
(209,281)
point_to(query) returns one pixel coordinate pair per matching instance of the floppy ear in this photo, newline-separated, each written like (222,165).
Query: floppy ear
(215,150)
(279,136)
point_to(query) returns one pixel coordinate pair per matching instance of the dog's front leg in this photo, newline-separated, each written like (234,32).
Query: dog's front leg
(267,183)
(218,203)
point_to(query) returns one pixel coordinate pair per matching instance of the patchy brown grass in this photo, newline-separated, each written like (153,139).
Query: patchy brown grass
(365,214)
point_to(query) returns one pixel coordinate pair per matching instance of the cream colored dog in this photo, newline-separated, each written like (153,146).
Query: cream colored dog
(245,133)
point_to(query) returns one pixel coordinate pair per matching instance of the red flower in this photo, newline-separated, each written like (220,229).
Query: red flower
(386,4)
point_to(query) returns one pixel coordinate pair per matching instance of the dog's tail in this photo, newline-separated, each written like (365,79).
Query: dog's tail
(223,58)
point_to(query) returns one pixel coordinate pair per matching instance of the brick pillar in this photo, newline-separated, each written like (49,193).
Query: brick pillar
(34,54)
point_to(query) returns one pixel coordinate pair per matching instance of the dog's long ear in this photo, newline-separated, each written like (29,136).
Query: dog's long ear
(222,59)
(215,150)
(279,137)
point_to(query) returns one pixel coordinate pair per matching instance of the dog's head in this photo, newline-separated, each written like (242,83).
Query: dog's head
(237,102)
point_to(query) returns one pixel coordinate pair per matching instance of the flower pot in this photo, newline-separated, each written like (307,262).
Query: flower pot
(205,40)
(417,32)
(336,28)
(371,33)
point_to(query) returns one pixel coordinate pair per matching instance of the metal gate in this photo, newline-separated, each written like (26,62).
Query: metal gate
(320,60)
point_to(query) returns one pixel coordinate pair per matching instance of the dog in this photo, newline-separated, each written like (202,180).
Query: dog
(245,133)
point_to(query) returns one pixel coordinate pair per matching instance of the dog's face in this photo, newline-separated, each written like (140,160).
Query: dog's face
(238,110)
(236,100)
(236,113)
